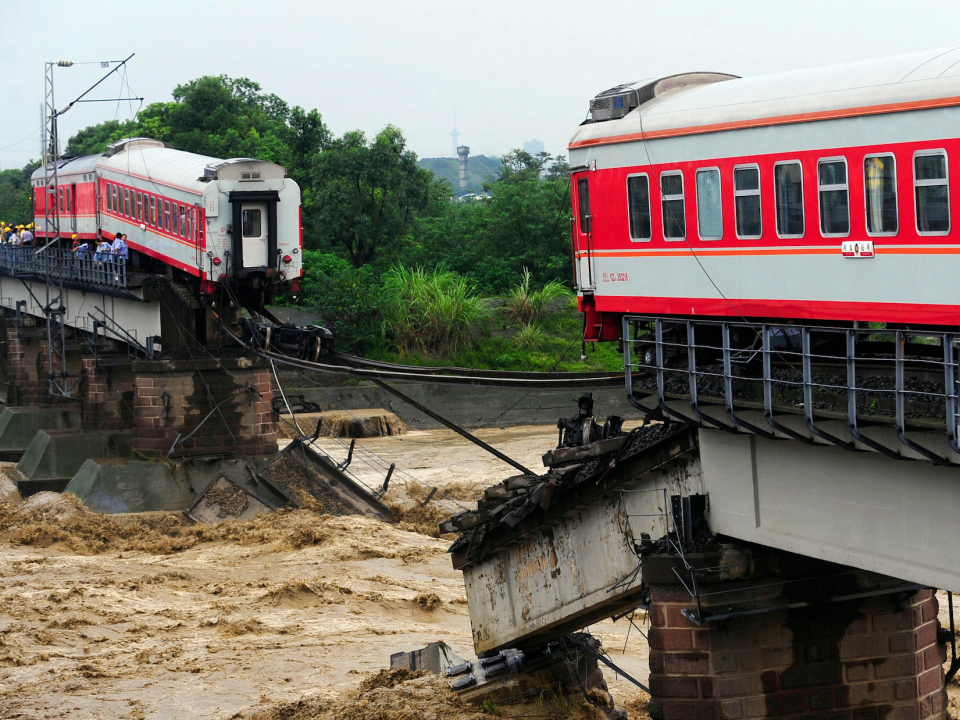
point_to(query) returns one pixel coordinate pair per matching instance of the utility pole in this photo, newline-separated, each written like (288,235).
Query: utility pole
(56,347)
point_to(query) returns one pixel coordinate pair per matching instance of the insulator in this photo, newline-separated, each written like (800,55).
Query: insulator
(64,63)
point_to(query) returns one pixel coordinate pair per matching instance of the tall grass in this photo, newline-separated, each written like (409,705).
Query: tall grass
(525,304)
(431,310)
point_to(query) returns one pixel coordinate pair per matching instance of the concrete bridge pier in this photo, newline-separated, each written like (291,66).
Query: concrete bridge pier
(868,658)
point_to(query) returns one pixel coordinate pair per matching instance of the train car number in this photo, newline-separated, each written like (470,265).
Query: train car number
(616,277)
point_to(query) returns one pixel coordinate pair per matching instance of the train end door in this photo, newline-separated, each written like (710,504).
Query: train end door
(583,236)
(253,233)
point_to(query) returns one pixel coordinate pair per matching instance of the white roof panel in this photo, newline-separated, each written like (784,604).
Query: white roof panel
(917,77)
(163,165)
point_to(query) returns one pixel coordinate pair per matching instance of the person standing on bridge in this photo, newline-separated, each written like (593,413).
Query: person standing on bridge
(120,254)
(27,236)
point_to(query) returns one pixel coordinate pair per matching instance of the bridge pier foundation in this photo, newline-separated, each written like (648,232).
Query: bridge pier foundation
(26,382)
(202,407)
(107,403)
(857,659)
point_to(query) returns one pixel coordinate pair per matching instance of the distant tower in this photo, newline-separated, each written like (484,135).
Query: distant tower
(463,155)
(455,133)
(534,147)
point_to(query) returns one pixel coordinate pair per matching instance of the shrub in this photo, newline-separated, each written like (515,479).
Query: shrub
(530,337)
(347,299)
(430,310)
(525,304)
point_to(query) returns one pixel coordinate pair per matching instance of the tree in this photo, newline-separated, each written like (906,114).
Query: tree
(367,195)
(16,205)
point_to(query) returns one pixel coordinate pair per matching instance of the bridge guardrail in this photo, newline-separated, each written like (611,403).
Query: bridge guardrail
(867,374)
(85,268)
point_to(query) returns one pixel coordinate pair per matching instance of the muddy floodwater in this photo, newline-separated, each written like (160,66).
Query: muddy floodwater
(291,615)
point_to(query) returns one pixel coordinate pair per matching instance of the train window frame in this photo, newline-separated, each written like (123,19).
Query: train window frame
(183,221)
(174,220)
(646,176)
(896,191)
(105,198)
(664,198)
(166,216)
(153,211)
(714,169)
(747,193)
(833,188)
(116,202)
(930,183)
(585,219)
(139,206)
(126,202)
(776,202)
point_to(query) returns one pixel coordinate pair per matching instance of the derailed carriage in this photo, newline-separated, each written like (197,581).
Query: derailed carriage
(201,220)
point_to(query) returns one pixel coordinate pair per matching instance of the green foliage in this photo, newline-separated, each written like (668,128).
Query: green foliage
(347,299)
(530,337)
(367,195)
(431,310)
(16,206)
(523,224)
(524,303)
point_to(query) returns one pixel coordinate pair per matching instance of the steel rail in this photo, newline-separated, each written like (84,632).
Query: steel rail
(563,383)
(355,361)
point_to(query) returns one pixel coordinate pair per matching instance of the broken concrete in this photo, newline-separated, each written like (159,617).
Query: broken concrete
(228,498)
(55,456)
(436,657)
(19,425)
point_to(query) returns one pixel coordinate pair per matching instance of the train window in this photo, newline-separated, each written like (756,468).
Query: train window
(880,184)
(126,202)
(788,187)
(834,191)
(746,196)
(140,207)
(60,199)
(671,196)
(116,199)
(174,220)
(166,215)
(252,224)
(153,211)
(183,221)
(583,202)
(931,192)
(638,207)
(709,211)
(66,194)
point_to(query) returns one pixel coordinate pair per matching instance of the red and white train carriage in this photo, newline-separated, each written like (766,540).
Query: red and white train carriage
(213,220)
(821,195)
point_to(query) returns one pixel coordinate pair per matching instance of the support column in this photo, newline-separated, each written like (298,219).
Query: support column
(222,405)
(25,382)
(107,401)
(861,659)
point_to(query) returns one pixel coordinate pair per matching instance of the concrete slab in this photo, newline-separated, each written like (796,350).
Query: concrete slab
(19,425)
(55,456)
(121,485)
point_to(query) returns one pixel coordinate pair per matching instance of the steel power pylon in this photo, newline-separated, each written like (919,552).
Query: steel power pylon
(54,310)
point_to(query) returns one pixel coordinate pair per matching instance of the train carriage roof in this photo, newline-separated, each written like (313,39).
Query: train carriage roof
(151,159)
(69,166)
(905,82)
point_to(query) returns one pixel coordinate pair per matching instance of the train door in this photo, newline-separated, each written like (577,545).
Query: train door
(254,234)
(72,207)
(584,236)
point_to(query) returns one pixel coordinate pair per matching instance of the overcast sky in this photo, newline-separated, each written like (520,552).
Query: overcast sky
(511,70)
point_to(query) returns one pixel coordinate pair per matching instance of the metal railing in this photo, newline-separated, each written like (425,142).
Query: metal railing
(87,268)
(852,374)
